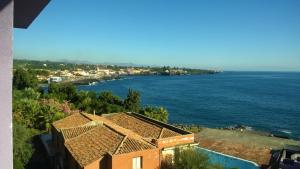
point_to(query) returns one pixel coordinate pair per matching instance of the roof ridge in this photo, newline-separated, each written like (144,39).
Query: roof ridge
(83,133)
(82,113)
(111,128)
(108,123)
(62,133)
(89,127)
(88,138)
(84,125)
(161,132)
(146,142)
(130,141)
(92,123)
(65,118)
(121,144)
(137,137)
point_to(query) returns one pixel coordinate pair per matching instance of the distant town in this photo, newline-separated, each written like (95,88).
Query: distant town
(49,71)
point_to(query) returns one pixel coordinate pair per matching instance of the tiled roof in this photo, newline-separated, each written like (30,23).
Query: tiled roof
(117,127)
(89,137)
(131,145)
(100,140)
(129,133)
(165,133)
(73,120)
(94,144)
(143,128)
(76,131)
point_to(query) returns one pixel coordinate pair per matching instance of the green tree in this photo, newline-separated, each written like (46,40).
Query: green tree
(53,88)
(70,91)
(110,98)
(87,101)
(33,112)
(132,102)
(26,111)
(62,91)
(24,78)
(46,116)
(109,103)
(30,93)
(22,147)
(27,93)
(190,158)
(158,113)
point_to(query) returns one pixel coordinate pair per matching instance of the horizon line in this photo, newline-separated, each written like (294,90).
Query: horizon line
(130,64)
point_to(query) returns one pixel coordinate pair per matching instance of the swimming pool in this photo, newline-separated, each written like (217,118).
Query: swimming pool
(228,161)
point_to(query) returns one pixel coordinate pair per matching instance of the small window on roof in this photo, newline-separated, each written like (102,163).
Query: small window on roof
(137,163)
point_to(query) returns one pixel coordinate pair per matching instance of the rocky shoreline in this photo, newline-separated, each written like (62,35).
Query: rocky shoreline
(93,81)
(237,128)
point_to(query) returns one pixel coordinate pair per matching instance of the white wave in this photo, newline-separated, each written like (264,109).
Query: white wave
(249,128)
(286,131)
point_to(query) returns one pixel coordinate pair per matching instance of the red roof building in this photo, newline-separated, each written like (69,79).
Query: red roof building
(113,141)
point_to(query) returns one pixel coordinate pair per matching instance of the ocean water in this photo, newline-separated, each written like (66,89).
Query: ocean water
(266,101)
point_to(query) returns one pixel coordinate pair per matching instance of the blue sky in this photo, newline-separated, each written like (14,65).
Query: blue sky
(218,34)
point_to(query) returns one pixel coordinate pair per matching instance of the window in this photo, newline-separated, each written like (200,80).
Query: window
(137,163)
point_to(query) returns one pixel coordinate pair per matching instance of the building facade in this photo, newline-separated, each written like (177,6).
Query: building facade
(113,141)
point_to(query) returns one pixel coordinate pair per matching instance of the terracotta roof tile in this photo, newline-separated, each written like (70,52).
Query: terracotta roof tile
(143,128)
(94,144)
(89,137)
(74,120)
(168,133)
(131,145)
(76,131)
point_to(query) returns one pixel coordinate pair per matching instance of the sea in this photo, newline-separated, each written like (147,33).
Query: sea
(262,101)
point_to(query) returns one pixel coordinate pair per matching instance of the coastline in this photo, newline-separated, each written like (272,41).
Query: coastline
(213,109)
(280,132)
(236,128)
(94,80)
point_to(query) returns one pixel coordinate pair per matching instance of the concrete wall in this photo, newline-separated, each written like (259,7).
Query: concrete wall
(94,165)
(6,33)
(150,159)
(100,164)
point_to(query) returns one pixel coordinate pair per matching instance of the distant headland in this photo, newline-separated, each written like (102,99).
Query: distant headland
(87,73)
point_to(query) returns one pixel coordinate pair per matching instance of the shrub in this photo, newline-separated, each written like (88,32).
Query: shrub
(24,78)
(22,147)
(158,113)
(132,101)
(189,158)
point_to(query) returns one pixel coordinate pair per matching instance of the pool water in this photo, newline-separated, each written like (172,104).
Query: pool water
(228,161)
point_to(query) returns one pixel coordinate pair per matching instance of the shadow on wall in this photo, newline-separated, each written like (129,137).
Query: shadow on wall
(4,3)
(39,158)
